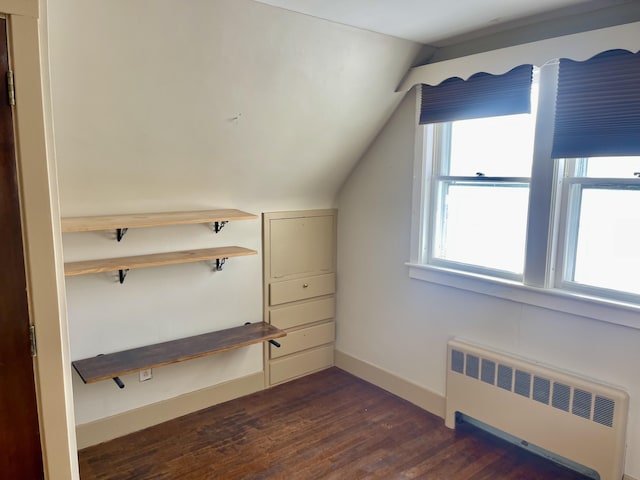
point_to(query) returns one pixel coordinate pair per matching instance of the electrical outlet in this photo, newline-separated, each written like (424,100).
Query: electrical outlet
(146,375)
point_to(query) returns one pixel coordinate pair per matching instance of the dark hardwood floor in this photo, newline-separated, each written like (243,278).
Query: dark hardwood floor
(329,425)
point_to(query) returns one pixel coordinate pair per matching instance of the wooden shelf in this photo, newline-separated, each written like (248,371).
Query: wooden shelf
(153,260)
(106,367)
(111,222)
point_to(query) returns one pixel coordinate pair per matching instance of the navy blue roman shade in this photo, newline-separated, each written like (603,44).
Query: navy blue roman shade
(598,106)
(482,95)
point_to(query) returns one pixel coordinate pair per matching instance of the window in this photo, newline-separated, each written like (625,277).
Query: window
(497,205)
(602,226)
(481,175)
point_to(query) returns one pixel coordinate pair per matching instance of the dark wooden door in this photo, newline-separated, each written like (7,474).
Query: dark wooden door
(20,453)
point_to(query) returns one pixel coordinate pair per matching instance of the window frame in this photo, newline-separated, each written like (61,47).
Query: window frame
(439,164)
(542,284)
(574,183)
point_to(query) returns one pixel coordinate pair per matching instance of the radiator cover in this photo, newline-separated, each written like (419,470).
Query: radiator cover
(574,417)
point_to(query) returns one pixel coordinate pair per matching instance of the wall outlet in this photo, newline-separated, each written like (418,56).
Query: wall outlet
(146,375)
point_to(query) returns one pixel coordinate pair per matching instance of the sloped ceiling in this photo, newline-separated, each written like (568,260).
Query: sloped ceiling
(174,104)
(428,21)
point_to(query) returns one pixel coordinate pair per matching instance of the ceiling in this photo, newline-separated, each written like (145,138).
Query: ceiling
(432,21)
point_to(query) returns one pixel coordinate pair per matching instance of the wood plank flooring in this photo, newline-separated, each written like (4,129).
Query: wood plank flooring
(330,425)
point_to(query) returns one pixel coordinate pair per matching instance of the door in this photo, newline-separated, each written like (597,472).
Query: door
(20,452)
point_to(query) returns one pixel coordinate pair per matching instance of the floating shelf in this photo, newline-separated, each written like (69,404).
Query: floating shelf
(114,222)
(113,365)
(153,260)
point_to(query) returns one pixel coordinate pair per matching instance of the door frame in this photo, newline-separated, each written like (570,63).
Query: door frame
(37,182)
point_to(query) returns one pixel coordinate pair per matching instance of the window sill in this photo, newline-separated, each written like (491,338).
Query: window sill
(609,311)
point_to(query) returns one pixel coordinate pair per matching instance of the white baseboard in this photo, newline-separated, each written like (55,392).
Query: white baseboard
(628,477)
(92,433)
(420,396)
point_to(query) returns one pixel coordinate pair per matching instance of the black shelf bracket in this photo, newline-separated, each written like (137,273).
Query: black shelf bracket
(120,233)
(122,274)
(217,226)
(219,263)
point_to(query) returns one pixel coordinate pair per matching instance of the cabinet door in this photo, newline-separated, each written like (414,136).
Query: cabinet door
(300,243)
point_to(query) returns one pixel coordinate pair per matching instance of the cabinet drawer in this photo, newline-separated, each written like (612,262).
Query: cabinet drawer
(302,288)
(304,338)
(300,364)
(301,314)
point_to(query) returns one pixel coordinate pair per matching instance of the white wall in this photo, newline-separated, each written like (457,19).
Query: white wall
(171,104)
(183,103)
(402,325)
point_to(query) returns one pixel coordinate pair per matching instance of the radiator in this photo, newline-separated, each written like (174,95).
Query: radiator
(576,418)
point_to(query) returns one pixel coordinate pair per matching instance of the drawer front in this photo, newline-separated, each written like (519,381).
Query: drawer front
(304,338)
(300,364)
(301,289)
(297,315)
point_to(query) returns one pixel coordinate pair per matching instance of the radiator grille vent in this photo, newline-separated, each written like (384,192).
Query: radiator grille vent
(541,390)
(582,403)
(457,361)
(563,397)
(523,383)
(505,377)
(488,371)
(603,411)
(473,364)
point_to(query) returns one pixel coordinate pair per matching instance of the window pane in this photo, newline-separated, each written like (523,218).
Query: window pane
(608,243)
(483,225)
(496,146)
(612,167)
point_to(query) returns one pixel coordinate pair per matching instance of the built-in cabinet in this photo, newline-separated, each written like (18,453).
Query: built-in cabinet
(299,291)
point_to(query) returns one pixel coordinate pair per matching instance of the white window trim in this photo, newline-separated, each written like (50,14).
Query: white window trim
(536,289)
